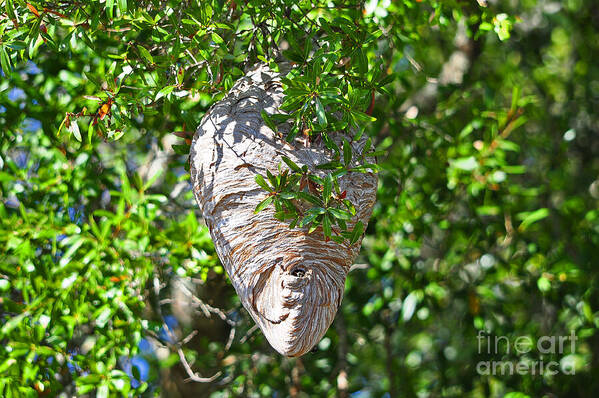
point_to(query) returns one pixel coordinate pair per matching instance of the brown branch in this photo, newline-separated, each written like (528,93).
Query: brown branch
(342,382)
(189,337)
(296,373)
(207,309)
(393,388)
(231,338)
(248,334)
(356,267)
(194,376)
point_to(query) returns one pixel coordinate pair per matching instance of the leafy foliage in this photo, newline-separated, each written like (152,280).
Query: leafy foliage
(328,205)
(482,116)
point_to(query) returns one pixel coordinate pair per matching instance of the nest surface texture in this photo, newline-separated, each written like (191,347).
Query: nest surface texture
(290,282)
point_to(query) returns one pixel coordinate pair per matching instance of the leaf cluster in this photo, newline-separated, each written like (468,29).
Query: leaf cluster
(310,201)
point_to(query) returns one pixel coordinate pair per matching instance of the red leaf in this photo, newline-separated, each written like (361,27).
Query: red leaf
(184,134)
(54,12)
(371,106)
(33,10)
(103,111)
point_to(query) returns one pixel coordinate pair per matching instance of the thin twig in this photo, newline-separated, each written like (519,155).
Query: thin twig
(342,382)
(189,337)
(248,334)
(296,373)
(391,374)
(207,309)
(356,267)
(231,338)
(194,376)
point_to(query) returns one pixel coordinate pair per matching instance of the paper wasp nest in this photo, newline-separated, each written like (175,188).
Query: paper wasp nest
(291,282)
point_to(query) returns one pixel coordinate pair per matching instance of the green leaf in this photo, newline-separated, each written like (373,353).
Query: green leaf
(338,125)
(529,218)
(356,232)
(293,223)
(503,26)
(102,391)
(329,93)
(13,323)
(288,195)
(307,47)
(320,113)
(182,149)
(361,116)
(314,226)
(515,98)
(260,181)
(17,45)
(316,179)
(367,145)
(216,38)
(340,214)
(109,8)
(318,210)
(4,366)
(488,210)
(291,103)
(291,164)
(329,166)
(165,91)
(44,350)
(387,79)
(205,12)
(102,316)
(326,226)
(68,281)
(467,164)
(519,169)
(347,152)
(376,153)
(122,4)
(331,144)
(362,60)
(308,218)
(293,55)
(269,122)
(338,239)
(10,9)
(5,62)
(309,198)
(262,205)
(272,179)
(145,54)
(327,187)
(292,133)
(74,129)
(296,92)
